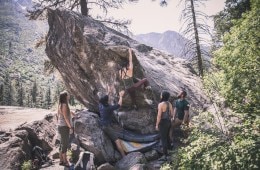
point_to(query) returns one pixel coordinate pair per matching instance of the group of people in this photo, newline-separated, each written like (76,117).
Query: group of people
(167,117)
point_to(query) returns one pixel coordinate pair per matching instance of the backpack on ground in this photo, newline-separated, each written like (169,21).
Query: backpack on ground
(85,162)
(38,157)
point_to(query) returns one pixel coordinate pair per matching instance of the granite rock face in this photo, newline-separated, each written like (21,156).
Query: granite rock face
(89,56)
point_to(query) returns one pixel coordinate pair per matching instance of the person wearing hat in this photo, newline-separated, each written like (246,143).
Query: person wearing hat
(106,113)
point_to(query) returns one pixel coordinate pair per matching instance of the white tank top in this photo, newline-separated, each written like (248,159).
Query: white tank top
(61,119)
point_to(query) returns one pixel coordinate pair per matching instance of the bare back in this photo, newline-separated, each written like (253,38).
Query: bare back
(126,73)
(163,107)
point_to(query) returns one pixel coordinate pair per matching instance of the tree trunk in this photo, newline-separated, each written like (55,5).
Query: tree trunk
(198,51)
(84,7)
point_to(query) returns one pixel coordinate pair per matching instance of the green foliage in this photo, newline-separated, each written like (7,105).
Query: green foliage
(193,28)
(48,98)
(206,150)
(233,11)
(1,94)
(239,59)
(20,95)
(7,90)
(27,165)
(21,65)
(34,92)
(166,167)
(72,101)
(238,82)
(69,154)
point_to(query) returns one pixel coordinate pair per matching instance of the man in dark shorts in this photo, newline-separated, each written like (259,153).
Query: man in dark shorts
(180,113)
(106,113)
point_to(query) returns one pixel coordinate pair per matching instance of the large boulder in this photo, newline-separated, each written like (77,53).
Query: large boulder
(15,148)
(130,160)
(93,139)
(88,56)
(141,121)
(41,133)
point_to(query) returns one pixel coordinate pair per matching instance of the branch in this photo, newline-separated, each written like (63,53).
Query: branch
(119,25)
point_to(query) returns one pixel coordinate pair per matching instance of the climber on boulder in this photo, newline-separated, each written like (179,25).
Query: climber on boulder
(129,82)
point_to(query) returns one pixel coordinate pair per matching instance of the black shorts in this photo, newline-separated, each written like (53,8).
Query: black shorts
(109,131)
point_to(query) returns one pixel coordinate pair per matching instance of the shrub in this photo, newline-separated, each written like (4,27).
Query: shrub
(27,165)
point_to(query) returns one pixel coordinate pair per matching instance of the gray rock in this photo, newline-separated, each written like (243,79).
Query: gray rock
(88,55)
(142,120)
(130,160)
(41,133)
(54,154)
(14,151)
(151,155)
(93,139)
(139,167)
(106,166)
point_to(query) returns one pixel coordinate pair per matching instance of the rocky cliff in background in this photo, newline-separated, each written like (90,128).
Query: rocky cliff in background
(169,41)
(18,37)
(20,61)
(88,56)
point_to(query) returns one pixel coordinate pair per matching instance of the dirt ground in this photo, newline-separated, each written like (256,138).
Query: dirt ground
(11,117)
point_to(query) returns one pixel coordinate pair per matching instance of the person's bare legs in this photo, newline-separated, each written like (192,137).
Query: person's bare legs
(132,90)
(143,82)
(119,147)
(64,157)
(175,123)
(61,158)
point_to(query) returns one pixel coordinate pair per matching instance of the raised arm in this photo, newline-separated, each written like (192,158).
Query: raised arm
(130,59)
(121,94)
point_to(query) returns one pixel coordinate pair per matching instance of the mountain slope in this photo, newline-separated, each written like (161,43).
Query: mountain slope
(169,41)
(19,59)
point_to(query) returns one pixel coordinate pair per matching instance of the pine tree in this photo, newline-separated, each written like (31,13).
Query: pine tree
(72,101)
(41,102)
(48,98)
(34,93)
(57,93)
(29,102)
(194,29)
(7,90)
(1,94)
(85,6)
(20,95)
(233,10)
